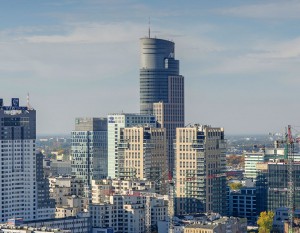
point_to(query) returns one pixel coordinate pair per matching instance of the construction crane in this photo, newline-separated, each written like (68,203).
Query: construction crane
(171,203)
(148,214)
(288,142)
(290,157)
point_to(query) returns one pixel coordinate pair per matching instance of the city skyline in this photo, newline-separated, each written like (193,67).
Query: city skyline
(239,59)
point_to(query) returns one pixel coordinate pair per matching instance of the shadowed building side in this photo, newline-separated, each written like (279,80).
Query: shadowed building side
(162,88)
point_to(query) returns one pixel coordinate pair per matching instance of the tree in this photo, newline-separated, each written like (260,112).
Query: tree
(265,221)
(235,160)
(235,185)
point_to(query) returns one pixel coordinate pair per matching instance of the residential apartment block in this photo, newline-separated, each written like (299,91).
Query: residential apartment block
(143,154)
(200,179)
(129,213)
(116,122)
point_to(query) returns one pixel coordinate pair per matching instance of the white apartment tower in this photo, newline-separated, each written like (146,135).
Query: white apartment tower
(200,164)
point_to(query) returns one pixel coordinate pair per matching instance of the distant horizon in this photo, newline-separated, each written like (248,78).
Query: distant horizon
(66,134)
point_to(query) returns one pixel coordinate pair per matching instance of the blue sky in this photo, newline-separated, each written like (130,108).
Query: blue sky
(240,59)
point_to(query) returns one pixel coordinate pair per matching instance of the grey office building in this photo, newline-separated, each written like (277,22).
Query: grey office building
(89,149)
(162,88)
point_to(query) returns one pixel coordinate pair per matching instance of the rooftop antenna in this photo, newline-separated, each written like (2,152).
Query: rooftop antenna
(28,103)
(149,24)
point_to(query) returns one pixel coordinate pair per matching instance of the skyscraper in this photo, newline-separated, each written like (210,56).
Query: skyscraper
(89,149)
(200,170)
(162,88)
(116,122)
(20,188)
(142,154)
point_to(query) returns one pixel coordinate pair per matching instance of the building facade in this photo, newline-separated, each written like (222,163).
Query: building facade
(274,180)
(129,213)
(252,158)
(242,204)
(162,88)
(89,149)
(116,122)
(200,163)
(143,154)
(72,224)
(19,189)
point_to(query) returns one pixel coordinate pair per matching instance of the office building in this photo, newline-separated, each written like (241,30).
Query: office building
(60,168)
(21,192)
(200,163)
(264,155)
(242,204)
(274,181)
(89,149)
(162,88)
(115,123)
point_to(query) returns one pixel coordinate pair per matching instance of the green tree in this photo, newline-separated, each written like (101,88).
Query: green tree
(265,221)
(235,185)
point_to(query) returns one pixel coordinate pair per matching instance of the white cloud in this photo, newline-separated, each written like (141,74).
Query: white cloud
(271,10)
(91,33)
(267,56)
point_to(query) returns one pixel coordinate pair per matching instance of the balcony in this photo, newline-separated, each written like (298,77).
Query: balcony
(198,144)
(123,145)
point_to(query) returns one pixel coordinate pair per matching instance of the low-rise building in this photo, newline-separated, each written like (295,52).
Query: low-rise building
(73,224)
(68,193)
(205,223)
(26,229)
(106,187)
(242,204)
(129,213)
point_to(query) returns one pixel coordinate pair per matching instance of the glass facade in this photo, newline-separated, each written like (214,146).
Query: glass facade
(157,64)
(89,149)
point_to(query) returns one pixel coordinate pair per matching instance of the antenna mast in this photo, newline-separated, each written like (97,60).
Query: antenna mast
(149,24)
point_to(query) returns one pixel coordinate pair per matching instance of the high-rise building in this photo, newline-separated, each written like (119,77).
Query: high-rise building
(20,188)
(44,203)
(162,88)
(200,164)
(116,122)
(143,154)
(89,149)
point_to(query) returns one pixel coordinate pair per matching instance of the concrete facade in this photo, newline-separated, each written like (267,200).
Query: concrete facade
(200,179)
(116,122)
(143,154)
(128,213)
(19,189)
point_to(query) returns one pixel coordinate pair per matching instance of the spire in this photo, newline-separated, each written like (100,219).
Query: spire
(149,27)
